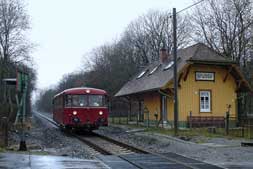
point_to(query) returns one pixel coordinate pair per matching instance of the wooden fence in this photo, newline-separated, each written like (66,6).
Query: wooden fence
(206,121)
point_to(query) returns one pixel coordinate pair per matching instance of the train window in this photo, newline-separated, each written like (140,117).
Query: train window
(76,101)
(79,100)
(96,100)
(68,101)
(83,100)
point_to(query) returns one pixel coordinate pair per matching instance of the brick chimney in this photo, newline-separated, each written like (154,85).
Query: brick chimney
(163,55)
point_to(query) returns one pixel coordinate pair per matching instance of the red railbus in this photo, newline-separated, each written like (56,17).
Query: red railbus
(81,108)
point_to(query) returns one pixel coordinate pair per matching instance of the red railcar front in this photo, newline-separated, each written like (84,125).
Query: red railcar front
(84,108)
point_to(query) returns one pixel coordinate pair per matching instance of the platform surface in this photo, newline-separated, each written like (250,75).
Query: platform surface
(130,161)
(23,161)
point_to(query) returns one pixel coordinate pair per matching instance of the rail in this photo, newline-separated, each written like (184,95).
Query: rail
(108,146)
(97,142)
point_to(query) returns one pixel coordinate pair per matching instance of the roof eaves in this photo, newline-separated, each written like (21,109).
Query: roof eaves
(211,62)
(178,72)
(243,78)
(139,92)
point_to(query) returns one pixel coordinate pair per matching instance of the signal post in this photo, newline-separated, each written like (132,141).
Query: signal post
(21,82)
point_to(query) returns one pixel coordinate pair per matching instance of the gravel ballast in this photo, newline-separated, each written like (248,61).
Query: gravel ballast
(216,151)
(44,138)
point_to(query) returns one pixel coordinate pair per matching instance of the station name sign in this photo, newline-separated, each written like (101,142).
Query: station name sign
(204,76)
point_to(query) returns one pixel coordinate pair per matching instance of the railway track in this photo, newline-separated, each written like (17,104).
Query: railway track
(131,157)
(107,146)
(101,144)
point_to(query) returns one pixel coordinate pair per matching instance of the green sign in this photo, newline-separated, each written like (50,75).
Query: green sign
(22,79)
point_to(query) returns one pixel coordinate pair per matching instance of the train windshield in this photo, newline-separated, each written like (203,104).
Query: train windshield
(85,101)
(96,100)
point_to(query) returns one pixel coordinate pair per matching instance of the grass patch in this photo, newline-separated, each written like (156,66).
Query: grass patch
(193,132)
(2,149)
(189,133)
(234,133)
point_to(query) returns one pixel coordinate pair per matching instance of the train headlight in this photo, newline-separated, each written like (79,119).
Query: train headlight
(74,112)
(100,113)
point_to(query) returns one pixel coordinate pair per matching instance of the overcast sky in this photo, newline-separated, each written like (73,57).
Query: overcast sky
(66,30)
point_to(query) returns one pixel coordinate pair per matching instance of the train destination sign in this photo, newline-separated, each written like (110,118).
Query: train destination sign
(204,76)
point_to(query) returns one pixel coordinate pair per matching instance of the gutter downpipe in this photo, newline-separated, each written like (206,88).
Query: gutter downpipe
(163,111)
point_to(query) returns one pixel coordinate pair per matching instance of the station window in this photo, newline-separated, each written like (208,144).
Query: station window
(205,100)
(154,69)
(169,65)
(141,74)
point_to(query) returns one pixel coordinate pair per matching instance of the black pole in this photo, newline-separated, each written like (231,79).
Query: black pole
(227,122)
(175,71)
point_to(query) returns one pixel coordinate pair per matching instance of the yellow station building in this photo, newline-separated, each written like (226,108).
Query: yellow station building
(208,84)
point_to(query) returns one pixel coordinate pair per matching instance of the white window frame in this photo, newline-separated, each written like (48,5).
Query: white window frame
(205,104)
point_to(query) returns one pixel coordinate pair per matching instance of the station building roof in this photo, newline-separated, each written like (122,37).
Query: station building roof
(158,74)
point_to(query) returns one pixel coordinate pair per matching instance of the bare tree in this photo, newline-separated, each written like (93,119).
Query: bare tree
(14,22)
(14,46)
(224,25)
(150,32)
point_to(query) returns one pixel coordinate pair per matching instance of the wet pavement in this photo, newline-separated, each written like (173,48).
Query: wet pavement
(167,161)
(23,161)
(131,161)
